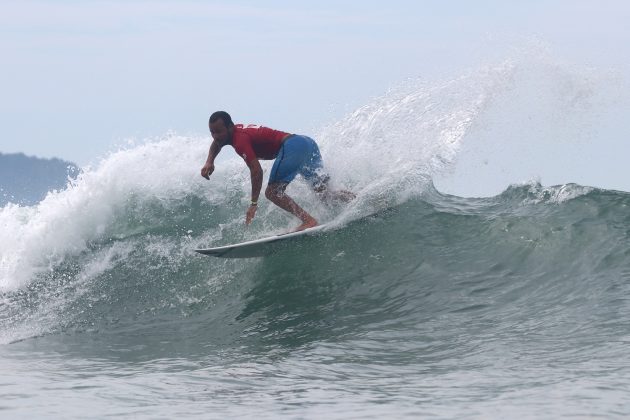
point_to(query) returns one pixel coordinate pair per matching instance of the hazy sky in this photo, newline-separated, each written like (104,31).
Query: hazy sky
(79,76)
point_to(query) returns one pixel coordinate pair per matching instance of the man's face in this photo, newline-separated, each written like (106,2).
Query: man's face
(220,133)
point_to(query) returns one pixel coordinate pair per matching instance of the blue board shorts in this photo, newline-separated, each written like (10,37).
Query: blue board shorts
(298,155)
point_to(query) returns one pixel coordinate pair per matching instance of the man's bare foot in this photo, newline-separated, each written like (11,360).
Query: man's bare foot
(308,224)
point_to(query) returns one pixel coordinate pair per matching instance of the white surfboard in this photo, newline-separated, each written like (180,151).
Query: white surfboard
(257,247)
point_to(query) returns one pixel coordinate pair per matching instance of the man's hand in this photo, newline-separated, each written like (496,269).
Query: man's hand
(251,212)
(207,170)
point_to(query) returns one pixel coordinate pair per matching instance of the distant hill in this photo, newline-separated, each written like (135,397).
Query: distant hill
(26,180)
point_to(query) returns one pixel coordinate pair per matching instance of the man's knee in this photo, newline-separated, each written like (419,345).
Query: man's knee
(274,191)
(269,193)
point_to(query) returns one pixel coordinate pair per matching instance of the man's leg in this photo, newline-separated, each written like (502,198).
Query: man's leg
(313,172)
(327,195)
(275,193)
(319,183)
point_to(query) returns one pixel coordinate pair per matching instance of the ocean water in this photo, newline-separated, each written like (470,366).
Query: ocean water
(413,304)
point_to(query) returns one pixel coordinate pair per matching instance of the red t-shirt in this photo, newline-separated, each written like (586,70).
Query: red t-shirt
(256,142)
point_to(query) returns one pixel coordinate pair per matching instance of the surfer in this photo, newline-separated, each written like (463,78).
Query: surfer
(294,154)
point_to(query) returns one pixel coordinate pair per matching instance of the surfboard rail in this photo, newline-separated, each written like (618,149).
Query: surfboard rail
(257,247)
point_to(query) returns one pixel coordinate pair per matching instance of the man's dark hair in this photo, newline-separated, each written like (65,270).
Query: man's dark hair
(221,115)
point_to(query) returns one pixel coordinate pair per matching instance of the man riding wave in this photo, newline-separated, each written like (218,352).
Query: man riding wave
(294,154)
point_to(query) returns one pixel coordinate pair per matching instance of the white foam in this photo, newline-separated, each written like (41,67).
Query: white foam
(555,194)
(35,239)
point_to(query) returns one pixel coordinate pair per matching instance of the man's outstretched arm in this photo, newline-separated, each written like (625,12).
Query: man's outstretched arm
(256,173)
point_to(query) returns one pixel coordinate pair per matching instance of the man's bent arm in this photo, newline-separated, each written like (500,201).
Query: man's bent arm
(208,168)
(213,152)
